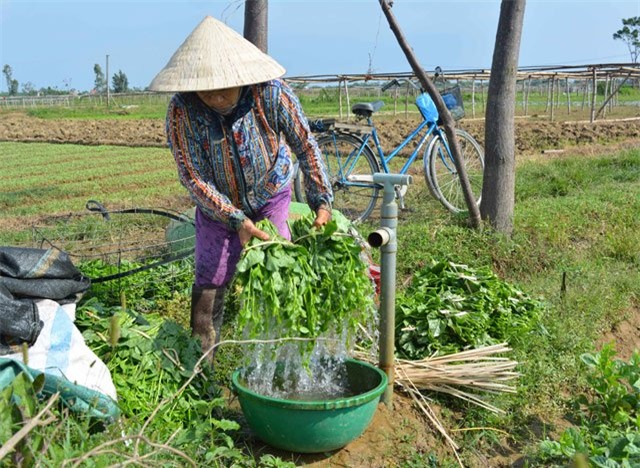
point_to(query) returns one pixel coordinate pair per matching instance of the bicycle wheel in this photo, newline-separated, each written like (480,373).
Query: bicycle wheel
(442,175)
(350,166)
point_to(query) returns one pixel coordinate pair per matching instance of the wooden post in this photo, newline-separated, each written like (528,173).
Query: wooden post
(526,97)
(546,107)
(340,96)
(551,90)
(107,82)
(346,92)
(445,115)
(568,96)
(406,101)
(473,97)
(594,86)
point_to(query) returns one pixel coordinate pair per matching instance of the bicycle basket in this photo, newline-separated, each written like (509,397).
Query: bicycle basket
(452,98)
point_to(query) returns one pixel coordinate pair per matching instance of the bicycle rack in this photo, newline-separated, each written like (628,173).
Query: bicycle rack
(385,239)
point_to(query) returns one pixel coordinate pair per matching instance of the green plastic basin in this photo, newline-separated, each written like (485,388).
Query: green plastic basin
(314,426)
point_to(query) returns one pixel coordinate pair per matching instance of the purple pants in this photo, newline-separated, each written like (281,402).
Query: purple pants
(218,247)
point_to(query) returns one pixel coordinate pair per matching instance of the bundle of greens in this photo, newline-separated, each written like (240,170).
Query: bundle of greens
(451,307)
(313,286)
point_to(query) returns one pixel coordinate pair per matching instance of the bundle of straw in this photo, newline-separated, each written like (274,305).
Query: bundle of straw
(461,374)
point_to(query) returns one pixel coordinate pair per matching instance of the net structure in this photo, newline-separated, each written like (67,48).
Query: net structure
(143,248)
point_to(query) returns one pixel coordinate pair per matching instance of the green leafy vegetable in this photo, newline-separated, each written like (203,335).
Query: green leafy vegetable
(314,285)
(450,307)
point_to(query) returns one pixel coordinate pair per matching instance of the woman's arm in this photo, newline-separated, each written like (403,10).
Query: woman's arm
(294,126)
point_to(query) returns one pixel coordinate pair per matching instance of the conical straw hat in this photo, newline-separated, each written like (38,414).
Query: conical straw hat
(214,56)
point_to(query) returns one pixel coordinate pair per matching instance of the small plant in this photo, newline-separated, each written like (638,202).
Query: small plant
(608,414)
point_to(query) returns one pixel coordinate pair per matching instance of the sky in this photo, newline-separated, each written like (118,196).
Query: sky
(57,43)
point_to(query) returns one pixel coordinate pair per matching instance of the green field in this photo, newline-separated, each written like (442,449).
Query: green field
(576,246)
(326,101)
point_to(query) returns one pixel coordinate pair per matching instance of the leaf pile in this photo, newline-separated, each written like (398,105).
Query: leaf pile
(450,307)
(314,285)
(150,358)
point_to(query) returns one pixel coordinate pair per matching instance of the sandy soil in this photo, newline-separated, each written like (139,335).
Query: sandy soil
(531,135)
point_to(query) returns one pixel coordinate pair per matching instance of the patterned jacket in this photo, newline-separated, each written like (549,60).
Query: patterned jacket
(233,165)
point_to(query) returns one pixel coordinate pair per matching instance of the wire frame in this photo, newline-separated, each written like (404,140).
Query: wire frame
(141,248)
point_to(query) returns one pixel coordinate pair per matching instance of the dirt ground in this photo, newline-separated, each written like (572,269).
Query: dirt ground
(399,432)
(531,135)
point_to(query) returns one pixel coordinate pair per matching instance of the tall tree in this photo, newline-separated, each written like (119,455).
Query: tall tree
(100,82)
(12,85)
(119,82)
(28,88)
(630,35)
(498,189)
(256,18)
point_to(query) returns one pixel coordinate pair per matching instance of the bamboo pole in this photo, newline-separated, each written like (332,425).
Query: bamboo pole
(613,93)
(340,96)
(606,97)
(395,100)
(546,107)
(473,97)
(406,102)
(552,89)
(568,96)
(346,92)
(594,92)
(526,98)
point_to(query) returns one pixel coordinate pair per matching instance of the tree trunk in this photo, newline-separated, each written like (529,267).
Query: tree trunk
(447,120)
(256,18)
(498,189)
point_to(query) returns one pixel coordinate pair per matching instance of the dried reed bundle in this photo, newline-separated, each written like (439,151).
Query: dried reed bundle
(461,374)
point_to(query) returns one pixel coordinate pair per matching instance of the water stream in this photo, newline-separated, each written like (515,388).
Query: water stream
(286,370)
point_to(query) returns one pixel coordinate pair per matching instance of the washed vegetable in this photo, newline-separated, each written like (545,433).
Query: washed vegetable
(315,285)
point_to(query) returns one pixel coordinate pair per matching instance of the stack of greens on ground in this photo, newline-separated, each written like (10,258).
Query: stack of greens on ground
(451,307)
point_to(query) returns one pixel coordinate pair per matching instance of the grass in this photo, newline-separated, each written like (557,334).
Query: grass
(327,103)
(575,216)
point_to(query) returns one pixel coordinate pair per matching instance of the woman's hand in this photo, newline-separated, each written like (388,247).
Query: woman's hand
(248,230)
(323,216)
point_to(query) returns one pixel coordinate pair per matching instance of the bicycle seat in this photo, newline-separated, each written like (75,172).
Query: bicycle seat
(366,109)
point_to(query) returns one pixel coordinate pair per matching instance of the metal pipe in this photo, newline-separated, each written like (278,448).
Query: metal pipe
(385,238)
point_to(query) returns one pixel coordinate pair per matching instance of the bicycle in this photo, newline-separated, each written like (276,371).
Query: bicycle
(351,162)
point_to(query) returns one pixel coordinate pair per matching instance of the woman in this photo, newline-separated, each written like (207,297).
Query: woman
(230,127)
